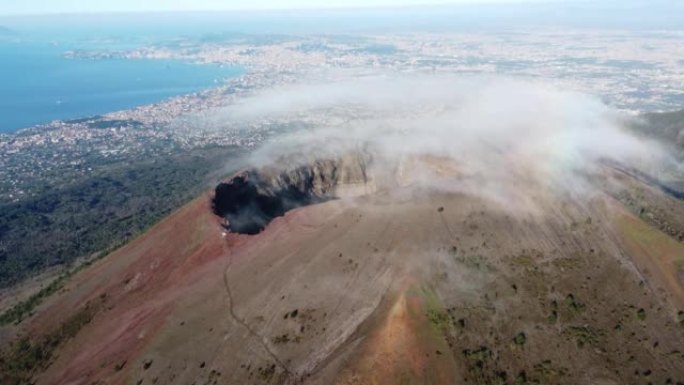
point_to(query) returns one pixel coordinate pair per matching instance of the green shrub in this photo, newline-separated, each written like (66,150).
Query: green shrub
(520,339)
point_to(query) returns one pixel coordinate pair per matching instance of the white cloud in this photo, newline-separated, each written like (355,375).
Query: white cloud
(494,134)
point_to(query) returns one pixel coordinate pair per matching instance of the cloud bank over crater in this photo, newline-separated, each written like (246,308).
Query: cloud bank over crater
(474,134)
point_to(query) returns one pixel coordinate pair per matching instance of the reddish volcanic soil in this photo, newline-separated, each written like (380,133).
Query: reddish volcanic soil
(409,287)
(135,290)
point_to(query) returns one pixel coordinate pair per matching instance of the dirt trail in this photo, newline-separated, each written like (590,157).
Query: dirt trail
(261,340)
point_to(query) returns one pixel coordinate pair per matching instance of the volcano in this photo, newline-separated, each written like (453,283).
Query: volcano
(338,272)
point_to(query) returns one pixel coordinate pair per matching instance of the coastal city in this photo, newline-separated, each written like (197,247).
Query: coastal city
(630,71)
(353,192)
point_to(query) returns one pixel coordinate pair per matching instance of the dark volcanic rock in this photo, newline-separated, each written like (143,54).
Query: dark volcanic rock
(248,204)
(252,198)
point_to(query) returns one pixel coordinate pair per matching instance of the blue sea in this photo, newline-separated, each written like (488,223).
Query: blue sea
(39,84)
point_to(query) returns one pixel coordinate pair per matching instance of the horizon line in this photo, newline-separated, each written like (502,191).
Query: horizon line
(333,8)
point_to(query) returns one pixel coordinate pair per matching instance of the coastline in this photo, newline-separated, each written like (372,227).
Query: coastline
(67,150)
(43,85)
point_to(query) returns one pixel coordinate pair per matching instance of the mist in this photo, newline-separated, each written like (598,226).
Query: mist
(492,136)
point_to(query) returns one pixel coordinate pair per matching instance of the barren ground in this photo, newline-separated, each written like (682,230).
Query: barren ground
(413,286)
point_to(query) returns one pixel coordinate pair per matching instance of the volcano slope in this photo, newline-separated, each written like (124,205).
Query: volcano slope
(363,281)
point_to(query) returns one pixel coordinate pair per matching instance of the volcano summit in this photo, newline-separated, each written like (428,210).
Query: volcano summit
(463,237)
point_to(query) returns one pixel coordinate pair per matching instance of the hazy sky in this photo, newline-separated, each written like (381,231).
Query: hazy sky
(80,6)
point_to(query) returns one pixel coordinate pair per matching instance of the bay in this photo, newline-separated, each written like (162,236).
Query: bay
(38,84)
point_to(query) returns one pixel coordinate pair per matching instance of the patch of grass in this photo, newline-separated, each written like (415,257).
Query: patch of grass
(266,373)
(28,356)
(482,368)
(475,262)
(657,243)
(523,260)
(641,314)
(21,310)
(573,305)
(281,339)
(213,377)
(479,354)
(584,335)
(286,338)
(553,317)
(545,373)
(521,379)
(567,263)
(439,319)
(460,323)
(520,339)
(453,251)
